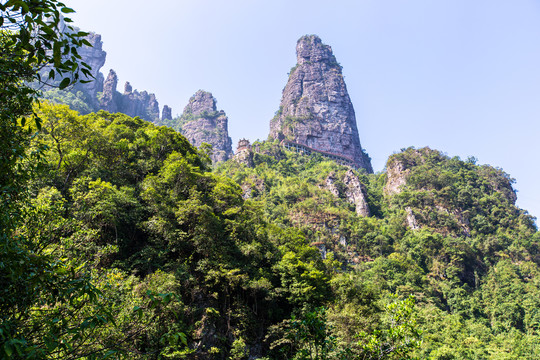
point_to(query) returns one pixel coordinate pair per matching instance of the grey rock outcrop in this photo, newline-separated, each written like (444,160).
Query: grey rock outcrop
(109,99)
(166,114)
(131,102)
(351,189)
(202,123)
(396,176)
(95,57)
(315,108)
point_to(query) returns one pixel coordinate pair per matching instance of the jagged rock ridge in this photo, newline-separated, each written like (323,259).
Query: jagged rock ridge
(202,123)
(315,108)
(131,102)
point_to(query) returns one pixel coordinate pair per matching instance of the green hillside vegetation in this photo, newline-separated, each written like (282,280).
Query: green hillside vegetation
(141,249)
(471,263)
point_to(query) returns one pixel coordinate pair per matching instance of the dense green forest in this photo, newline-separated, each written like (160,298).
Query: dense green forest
(119,239)
(142,249)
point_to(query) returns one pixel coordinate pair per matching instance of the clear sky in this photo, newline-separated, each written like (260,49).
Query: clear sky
(459,76)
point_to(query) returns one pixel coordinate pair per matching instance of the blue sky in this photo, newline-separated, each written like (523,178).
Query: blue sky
(459,76)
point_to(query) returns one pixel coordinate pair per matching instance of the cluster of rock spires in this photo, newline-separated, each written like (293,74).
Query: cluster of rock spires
(315,113)
(130,102)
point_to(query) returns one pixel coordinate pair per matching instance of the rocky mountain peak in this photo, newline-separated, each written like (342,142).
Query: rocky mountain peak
(108,100)
(127,88)
(315,110)
(310,49)
(201,102)
(101,94)
(166,114)
(202,123)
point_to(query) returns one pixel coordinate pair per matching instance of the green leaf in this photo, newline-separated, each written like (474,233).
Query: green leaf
(67,10)
(65,83)
(38,121)
(25,8)
(57,57)
(8,349)
(48,30)
(10,3)
(183,338)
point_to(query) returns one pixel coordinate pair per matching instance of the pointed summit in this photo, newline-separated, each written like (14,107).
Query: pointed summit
(315,110)
(202,123)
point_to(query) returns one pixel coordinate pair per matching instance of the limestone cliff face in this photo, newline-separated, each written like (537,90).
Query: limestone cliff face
(95,57)
(202,123)
(396,175)
(351,189)
(244,153)
(139,104)
(315,109)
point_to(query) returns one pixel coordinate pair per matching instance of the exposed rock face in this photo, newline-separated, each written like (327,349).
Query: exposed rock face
(315,109)
(131,102)
(356,193)
(252,186)
(411,219)
(202,123)
(95,57)
(396,175)
(352,190)
(109,100)
(166,114)
(201,102)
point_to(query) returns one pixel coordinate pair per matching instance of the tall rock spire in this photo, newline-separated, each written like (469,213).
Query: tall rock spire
(202,123)
(315,109)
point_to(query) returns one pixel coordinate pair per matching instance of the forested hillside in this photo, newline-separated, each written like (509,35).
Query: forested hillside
(157,254)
